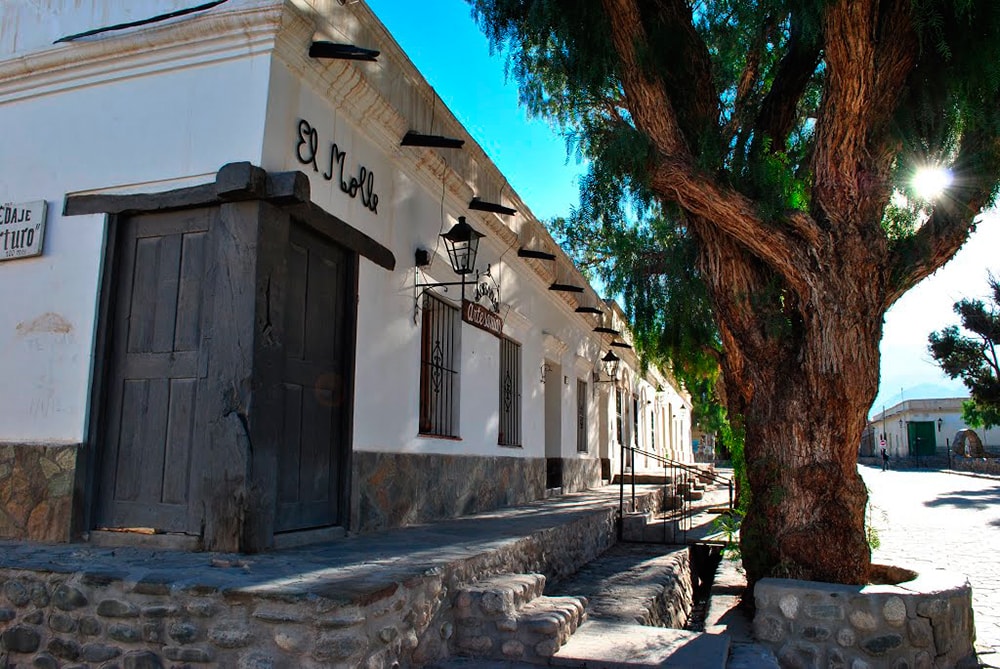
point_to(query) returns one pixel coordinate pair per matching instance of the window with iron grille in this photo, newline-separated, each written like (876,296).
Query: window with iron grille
(581,416)
(510,394)
(439,350)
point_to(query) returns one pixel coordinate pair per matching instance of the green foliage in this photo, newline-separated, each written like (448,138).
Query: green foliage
(651,263)
(980,415)
(974,358)
(875,519)
(728,525)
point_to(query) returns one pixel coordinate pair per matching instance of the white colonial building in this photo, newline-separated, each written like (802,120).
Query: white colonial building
(230,331)
(920,427)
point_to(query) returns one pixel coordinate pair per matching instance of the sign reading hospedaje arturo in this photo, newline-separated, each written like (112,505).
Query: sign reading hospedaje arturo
(22,229)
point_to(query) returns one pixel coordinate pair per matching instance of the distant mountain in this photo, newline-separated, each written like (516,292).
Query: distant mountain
(921,391)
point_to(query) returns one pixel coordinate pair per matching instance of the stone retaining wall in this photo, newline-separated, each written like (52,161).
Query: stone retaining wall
(920,624)
(976,465)
(55,620)
(140,609)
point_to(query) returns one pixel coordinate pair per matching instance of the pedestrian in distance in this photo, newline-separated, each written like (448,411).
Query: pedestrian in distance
(885,460)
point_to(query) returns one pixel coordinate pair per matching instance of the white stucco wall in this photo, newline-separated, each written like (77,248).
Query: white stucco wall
(165,106)
(108,127)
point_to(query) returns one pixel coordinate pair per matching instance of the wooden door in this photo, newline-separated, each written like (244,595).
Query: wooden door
(158,316)
(319,336)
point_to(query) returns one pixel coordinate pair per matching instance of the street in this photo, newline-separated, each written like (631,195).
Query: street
(948,521)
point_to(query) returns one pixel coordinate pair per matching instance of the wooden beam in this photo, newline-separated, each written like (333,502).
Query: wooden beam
(532,253)
(412,138)
(492,207)
(322,49)
(566,288)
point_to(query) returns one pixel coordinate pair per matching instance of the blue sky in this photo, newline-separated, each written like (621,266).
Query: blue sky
(452,54)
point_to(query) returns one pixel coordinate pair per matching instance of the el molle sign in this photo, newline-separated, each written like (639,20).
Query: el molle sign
(307,150)
(482,318)
(22,228)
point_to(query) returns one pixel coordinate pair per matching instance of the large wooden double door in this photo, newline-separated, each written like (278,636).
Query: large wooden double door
(164,407)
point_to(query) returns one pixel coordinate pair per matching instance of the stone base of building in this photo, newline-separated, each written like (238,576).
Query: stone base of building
(363,601)
(580,474)
(397,489)
(922,623)
(36,491)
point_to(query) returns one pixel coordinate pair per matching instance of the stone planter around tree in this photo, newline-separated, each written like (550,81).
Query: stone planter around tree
(921,622)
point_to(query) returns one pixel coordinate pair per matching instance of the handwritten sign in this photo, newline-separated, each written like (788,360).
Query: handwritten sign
(482,318)
(22,229)
(307,150)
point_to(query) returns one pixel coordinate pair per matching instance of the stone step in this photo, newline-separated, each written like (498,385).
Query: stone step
(498,596)
(660,531)
(608,645)
(694,495)
(506,618)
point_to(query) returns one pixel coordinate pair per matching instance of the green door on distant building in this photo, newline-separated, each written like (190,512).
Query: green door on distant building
(921,438)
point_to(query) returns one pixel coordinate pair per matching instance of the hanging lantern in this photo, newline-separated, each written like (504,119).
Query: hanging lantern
(462,244)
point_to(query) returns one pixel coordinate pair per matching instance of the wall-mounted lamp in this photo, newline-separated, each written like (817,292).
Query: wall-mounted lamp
(462,244)
(609,363)
(544,369)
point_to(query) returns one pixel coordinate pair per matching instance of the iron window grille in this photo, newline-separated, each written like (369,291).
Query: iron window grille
(510,393)
(439,347)
(581,416)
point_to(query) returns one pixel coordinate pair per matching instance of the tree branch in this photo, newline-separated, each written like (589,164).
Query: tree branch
(644,90)
(778,112)
(674,176)
(736,215)
(870,49)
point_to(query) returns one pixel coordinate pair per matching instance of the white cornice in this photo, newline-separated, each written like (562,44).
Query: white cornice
(212,37)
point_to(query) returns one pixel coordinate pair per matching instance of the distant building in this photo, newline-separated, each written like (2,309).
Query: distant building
(914,428)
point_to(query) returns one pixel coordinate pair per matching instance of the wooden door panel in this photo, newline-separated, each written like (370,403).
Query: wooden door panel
(153,384)
(317,325)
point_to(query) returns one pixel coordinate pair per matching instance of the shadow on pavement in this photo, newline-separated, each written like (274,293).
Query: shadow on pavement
(968,499)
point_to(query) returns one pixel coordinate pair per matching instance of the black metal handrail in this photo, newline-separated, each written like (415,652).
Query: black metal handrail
(683,518)
(715,478)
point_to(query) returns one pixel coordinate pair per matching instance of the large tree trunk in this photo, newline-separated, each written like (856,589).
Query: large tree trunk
(803,372)
(799,295)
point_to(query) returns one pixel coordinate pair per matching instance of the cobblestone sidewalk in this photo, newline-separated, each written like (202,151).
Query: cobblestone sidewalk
(943,520)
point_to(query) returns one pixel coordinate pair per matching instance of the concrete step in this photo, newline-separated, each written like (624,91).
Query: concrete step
(607,645)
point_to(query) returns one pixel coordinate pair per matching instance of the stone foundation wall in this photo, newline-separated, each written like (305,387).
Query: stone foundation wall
(580,474)
(976,465)
(54,620)
(140,609)
(921,624)
(36,491)
(397,489)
